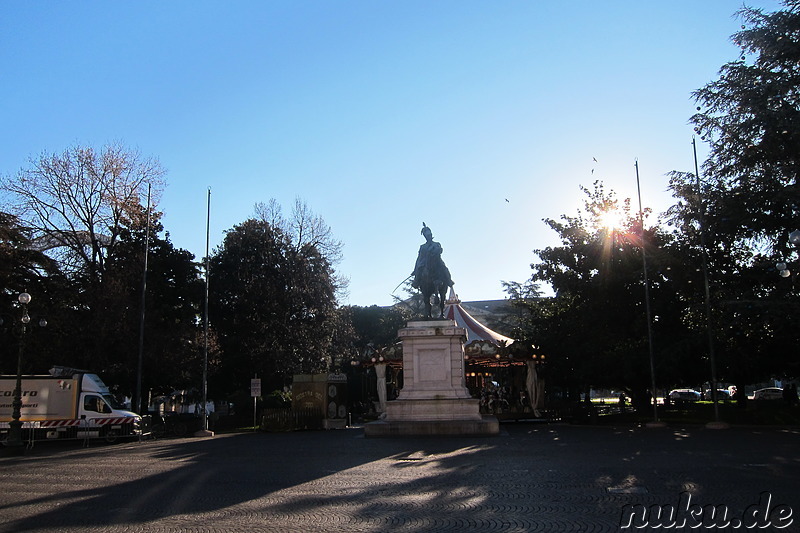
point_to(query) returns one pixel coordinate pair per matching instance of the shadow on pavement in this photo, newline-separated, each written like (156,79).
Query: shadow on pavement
(530,476)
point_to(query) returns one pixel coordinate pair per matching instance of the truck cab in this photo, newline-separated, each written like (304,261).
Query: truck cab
(96,399)
(105,415)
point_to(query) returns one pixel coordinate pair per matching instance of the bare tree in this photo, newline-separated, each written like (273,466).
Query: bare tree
(310,229)
(76,203)
(305,228)
(271,213)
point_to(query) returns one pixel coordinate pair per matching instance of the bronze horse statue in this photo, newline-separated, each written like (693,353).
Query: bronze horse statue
(438,290)
(431,276)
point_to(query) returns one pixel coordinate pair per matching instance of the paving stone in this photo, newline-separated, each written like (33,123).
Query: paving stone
(529,478)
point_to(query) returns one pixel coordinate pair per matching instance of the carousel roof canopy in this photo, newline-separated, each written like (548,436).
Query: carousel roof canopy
(475,330)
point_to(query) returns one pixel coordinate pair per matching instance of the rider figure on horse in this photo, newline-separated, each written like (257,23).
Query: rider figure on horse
(430,273)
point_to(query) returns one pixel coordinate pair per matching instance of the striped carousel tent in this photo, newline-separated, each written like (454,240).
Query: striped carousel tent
(484,349)
(475,330)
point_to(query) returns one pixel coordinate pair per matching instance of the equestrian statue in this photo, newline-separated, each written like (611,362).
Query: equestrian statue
(431,276)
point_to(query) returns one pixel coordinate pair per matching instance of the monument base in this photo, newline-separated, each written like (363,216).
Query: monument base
(485,426)
(434,399)
(433,409)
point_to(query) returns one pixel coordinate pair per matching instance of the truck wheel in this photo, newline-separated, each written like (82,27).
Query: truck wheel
(179,429)
(112,435)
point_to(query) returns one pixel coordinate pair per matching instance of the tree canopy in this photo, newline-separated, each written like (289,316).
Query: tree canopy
(733,221)
(73,230)
(75,203)
(596,327)
(77,244)
(746,201)
(272,304)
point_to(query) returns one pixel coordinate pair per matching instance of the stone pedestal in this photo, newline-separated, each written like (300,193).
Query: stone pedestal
(434,399)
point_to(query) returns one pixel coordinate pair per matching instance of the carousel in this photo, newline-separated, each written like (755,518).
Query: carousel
(505,374)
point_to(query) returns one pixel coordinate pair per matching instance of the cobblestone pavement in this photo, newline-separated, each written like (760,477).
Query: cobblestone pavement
(530,478)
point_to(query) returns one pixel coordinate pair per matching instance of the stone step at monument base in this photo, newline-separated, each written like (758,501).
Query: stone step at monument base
(486,426)
(403,410)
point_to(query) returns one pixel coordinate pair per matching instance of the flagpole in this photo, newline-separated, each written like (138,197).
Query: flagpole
(205,431)
(647,301)
(717,424)
(138,406)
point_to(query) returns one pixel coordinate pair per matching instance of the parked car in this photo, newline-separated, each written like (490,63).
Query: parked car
(684,395)
(769,393)
(722,395)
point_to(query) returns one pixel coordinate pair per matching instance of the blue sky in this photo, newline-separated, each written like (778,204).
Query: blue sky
(378,114)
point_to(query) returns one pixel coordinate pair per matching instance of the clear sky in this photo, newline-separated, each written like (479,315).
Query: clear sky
(479,118)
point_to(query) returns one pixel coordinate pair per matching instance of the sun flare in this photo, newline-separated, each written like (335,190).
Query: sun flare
(612,220)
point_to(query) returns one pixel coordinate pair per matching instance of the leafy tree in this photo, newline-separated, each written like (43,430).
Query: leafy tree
(522,292)
(273,305)
(25,269)
(595,329)
(377,326)
(748,198)
(172,356)
(76,207)
(20,263)
(750,117)
(83,220)
(102,333)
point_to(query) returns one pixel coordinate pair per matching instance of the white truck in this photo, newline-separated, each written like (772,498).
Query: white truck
(72,404)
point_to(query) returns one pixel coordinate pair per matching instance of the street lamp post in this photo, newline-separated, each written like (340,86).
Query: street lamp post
(783,266)
(794,237)
(15,426)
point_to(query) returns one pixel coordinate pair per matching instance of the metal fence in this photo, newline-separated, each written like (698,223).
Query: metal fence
(292,419)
